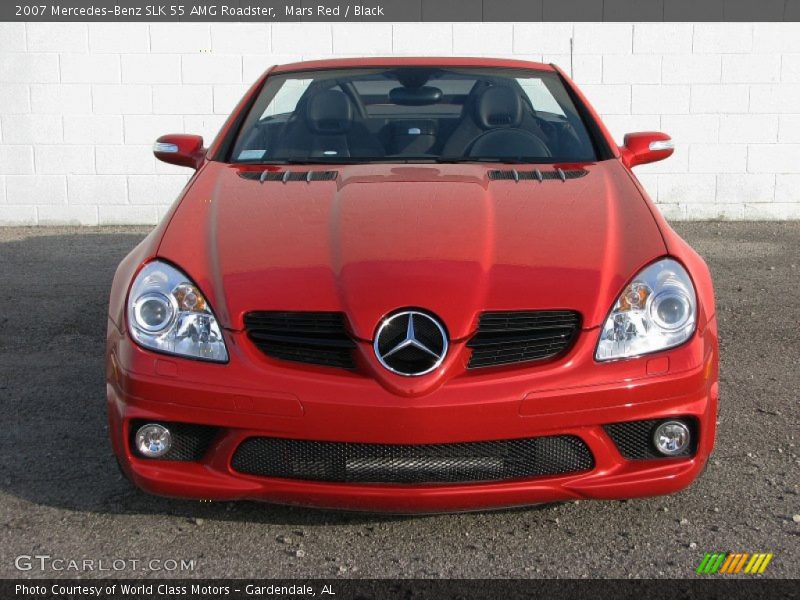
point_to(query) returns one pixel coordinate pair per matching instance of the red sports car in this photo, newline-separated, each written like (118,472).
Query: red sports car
(408,285)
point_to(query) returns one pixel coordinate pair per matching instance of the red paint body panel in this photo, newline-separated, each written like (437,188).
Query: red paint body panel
(424,61)
(441,237)
(189,150)
(491,244)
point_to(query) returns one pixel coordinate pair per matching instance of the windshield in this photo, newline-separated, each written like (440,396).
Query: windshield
(416,113)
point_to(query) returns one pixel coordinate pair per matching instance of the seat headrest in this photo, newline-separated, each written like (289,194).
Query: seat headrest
(329,112)
(498,106)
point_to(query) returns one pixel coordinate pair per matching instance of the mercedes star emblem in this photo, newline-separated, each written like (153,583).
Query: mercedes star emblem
(410,343)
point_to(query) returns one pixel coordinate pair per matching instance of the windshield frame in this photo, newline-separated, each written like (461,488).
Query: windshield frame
(593,129)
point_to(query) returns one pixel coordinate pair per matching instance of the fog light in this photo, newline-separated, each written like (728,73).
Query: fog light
(671,437)
(153,440)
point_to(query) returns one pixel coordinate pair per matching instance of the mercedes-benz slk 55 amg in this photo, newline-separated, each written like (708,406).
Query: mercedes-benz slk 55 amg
(412,285)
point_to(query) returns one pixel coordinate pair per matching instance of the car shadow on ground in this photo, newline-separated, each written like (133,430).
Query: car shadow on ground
(53,307)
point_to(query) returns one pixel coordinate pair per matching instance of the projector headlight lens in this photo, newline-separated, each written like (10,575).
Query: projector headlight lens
(168,313)
(671,309)
(153,312)
(656,311)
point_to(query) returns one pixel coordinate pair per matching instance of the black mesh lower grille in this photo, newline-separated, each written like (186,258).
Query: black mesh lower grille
(512,337)
(412,464)
(634,439)
(189,442)
(318,338)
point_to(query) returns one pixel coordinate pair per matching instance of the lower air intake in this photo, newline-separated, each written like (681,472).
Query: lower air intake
(412,464)
(634,439)
(189,442)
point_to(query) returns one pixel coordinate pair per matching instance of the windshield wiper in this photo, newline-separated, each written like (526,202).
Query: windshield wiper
(476,159)
(314,160)
(328,160)
(349,160)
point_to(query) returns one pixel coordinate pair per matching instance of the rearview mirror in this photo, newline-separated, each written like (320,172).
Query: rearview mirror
(646,147)
(180,149)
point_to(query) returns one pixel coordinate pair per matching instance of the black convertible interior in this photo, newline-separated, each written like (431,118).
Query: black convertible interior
(414,113)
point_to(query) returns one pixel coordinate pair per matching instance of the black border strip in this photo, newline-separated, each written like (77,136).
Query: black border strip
(415,11)
(732,587)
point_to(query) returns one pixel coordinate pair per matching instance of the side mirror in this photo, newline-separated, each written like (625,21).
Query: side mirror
(646,147)
(180,149)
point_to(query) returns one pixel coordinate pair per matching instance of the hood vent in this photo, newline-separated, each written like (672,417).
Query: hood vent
(287,176)
(536,174)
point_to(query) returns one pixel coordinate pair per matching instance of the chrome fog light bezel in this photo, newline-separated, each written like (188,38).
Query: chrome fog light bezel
(686,432)
(142,445)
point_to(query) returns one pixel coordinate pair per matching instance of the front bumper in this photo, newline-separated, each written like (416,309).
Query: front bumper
(252,396)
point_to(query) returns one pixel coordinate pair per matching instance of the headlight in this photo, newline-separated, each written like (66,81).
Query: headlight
(657,310)
(167,312)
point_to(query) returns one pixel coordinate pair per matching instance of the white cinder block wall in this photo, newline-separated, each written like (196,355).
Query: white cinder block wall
(81,104)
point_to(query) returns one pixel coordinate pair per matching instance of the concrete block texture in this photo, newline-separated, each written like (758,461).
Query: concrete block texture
(82,103)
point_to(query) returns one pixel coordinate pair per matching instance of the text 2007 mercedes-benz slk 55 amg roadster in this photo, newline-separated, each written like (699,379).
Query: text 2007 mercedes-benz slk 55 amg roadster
(417,284)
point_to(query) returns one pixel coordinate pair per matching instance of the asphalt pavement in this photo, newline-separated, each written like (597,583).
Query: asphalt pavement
(62,496)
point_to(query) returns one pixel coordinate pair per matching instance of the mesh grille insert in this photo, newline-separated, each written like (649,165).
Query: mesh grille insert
(189,442)
(318,338)
(634,439)
(412,464)
(512,337)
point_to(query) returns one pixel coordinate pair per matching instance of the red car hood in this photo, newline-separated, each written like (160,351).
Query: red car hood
(380,237)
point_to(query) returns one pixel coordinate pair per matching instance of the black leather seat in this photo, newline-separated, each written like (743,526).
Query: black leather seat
(326,126)
(496,125)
